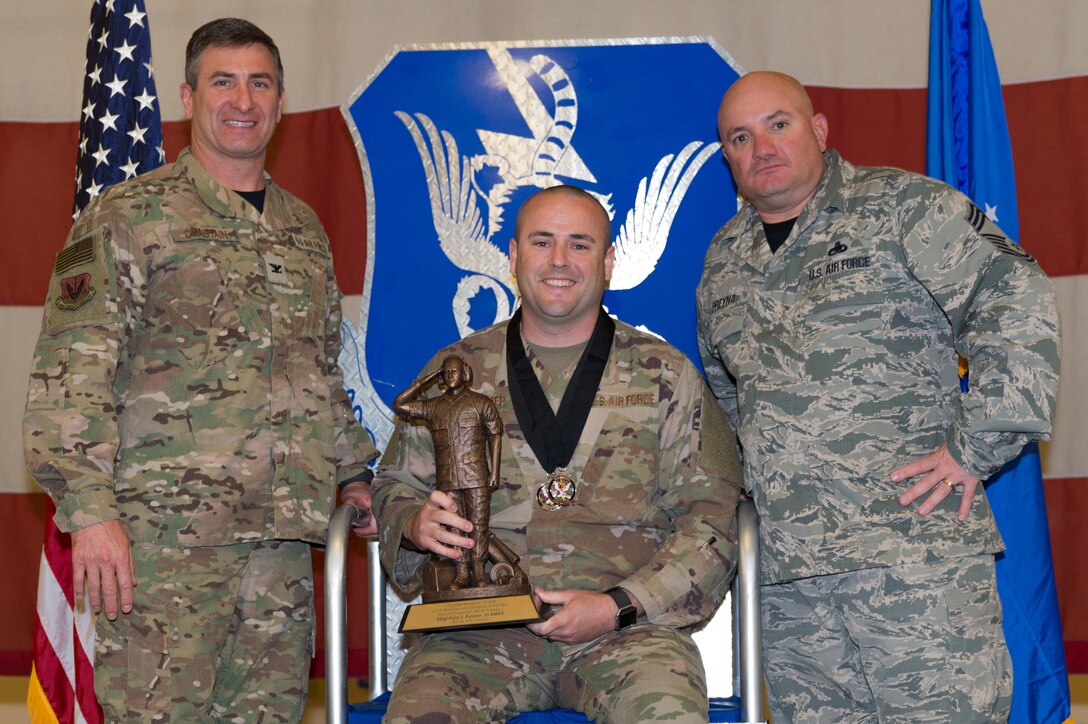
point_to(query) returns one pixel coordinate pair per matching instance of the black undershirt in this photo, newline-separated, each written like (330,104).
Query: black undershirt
(255,198)
(778,232)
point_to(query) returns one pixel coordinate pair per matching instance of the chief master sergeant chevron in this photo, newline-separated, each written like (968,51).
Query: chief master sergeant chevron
(831,311)
(187,415)
(619,503)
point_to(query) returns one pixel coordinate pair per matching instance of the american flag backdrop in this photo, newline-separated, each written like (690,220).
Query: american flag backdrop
(864,64)
(120,136)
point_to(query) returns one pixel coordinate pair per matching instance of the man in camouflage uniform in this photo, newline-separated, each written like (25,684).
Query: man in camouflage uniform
(831,311)
(187,415)
(651,520)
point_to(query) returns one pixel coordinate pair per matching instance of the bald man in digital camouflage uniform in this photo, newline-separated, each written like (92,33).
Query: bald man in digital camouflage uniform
(831,312)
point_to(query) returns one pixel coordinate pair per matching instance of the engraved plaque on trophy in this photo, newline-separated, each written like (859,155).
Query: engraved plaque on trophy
(484,587)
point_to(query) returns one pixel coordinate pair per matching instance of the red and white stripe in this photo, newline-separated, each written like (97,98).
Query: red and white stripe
(62,683)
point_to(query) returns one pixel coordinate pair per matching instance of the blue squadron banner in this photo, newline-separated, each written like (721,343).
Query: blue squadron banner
(452,139)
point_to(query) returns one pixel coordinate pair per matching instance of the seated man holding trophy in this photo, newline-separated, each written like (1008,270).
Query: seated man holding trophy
(613,499)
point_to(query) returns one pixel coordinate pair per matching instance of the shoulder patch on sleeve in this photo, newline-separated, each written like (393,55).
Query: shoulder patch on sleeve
(989,231)
(75,291)
(975,217)
(79,252)
(82,285)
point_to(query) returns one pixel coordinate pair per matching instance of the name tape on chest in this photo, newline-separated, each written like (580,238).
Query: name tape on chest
(209,233)
(316,246)
(634,399)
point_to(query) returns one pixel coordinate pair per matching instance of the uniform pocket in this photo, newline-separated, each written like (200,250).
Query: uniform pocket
(132,662)
(976,642)
(619,480)
(205,297)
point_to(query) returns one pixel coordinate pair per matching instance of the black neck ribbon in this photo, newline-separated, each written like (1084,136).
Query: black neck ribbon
(552,436)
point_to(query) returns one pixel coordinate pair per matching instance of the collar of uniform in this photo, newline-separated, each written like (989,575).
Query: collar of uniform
(830,193)
(225,202)
(755,252)
(621,335)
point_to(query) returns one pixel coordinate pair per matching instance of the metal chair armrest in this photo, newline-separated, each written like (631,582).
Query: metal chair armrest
(751,640)
(336,621)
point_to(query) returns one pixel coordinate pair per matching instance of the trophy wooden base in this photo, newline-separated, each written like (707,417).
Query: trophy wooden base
(505,600)
(485,607)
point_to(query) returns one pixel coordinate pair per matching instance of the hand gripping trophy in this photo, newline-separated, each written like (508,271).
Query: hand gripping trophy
(467,434)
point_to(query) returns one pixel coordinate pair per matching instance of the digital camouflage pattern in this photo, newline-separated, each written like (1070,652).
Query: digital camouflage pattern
(186,379)
(248,604)
(491,675)
(657,483)
(835,360)
(911,643)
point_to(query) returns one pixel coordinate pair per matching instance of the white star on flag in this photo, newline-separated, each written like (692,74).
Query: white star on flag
(135,18)
(130,169)
(100,156)
(145,100)
(137,134)
(116,86)
(991,212)
(124,51)
(109,120)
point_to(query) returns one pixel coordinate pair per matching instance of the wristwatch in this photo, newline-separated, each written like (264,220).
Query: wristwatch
(627,613)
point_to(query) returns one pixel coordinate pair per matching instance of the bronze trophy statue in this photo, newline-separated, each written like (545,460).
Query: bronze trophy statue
(467,434)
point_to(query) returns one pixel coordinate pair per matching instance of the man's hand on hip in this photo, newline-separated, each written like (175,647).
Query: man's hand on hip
(940,475)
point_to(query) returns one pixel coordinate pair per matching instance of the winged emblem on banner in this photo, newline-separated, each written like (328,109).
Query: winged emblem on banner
(468,195)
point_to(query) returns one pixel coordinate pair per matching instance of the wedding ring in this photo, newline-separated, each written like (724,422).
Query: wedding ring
(949,483)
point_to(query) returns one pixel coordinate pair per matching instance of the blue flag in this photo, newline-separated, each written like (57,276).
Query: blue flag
(968,147)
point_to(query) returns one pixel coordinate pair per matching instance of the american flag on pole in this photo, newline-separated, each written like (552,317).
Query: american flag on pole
(120,136)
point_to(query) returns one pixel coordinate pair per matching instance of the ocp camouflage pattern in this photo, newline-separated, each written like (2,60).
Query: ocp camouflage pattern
(160,662)
(491,675)
(656,472)
(836,361)
(186,379)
